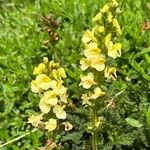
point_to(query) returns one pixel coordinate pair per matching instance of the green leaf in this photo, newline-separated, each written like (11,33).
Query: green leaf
(148,116)
(133,122)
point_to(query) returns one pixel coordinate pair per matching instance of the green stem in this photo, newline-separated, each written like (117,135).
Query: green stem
(94,134)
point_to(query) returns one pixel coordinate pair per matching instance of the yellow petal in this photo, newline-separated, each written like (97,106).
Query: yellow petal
(108,42)
(115,51)
(114,3)
(34,86)
(97,17)
(45,60)
(61,72)
(98,62)
(43,81)
(99,29)
(87,81)
(51,124)
(105,8)
(97,93)
(50,97)
(35,120)
(68,126)
(60,113)
(40,69)
(86,99)
(117,26)
(85,63)
(45,108)
(110,73)
(88,37)
(93,52)
(109,17)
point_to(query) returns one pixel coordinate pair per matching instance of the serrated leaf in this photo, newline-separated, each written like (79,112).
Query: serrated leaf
(133,122)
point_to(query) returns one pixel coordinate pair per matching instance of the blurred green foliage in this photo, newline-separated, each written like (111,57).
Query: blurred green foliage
(126,126)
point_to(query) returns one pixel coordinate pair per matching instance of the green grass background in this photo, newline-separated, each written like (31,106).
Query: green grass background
(21,50)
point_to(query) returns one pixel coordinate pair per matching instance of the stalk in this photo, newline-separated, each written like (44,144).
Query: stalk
(94,134)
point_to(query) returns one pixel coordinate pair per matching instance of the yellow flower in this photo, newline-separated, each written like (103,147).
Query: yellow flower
(105,9)
(97,17)
(34,86)
(45,60)
(86,99)
(91,45)
(110,73)
(50,97)
(117,26)
(92,52)
(99,29)
(43,81)
(97,62)
(68,126)
(115,51)
(45,108)
(114,3)
(40,69)
(61,92)
(61,72)
(85,63)
(88,37)
(35,120)
(53,65)
(97,93)
(59,111)
(87,81)
(51,124)
(108,42)
(109,17)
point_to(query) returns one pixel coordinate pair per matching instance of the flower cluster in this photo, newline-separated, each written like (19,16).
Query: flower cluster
(101,46)
(53,94)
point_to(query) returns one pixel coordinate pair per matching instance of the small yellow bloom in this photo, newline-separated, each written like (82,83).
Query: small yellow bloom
(43,81)
(114,3)
(61,92)
(93,52)
(86,99)
(68,126)
(117,26)
(34,86)
(97,17)
(99,29)
(115,51)
(45,108)
(110,73)
(85,63)
(91,45)
(45,60)
(61,72)
(35,120)
(51,124)
(50,97)
(53,65)
(59,111)
(87,81)
(97,93)
(40,69)
(88,37)
(97,62)
(105,9)
(108,42)
(109,17)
